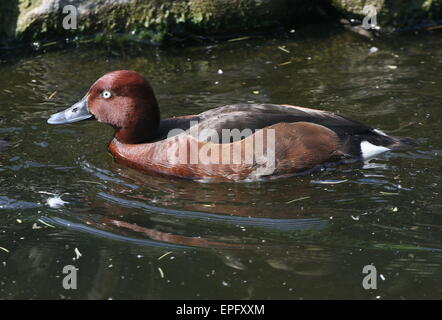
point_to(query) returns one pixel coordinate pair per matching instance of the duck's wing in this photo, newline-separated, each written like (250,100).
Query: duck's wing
(355,137)
(258,116)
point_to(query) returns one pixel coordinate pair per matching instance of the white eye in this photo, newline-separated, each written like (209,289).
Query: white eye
(106,94)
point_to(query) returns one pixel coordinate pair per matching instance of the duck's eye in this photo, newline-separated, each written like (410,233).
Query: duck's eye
(106,94)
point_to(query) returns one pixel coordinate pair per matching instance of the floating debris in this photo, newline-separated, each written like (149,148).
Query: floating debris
(392,67)
(395,209)
(55,202)
(284,63)
(255,91)
(220,71)
(164,255)
(373,50)
(36,226)
(46,224)
(52,95)
(283,49)
(355,218)
(299,199)
(382,277)
(19,220)
(161,272)
(4,249)
(77,253)
(49,44)
(238,39)
(225,283)
(389,193)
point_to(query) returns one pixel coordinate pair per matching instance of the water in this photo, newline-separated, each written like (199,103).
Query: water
(158,238)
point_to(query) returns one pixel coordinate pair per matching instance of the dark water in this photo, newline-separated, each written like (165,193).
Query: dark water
(159,238)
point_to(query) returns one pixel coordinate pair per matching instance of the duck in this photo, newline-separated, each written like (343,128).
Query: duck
(237,142)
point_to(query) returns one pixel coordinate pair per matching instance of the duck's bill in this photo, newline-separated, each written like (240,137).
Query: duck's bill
(77,112)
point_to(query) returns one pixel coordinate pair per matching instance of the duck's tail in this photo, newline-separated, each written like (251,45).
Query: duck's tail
(375,142)
(401,143)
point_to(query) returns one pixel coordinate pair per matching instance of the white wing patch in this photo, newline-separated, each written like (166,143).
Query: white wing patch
(380,132)
(313,112)
(370,150)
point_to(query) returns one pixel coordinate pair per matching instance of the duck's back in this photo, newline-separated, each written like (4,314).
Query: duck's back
(258,116)
(356,139)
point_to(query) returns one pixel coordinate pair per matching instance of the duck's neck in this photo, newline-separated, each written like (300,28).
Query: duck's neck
(142,130)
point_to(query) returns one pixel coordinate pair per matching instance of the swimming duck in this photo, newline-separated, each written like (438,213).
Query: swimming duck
(261,140)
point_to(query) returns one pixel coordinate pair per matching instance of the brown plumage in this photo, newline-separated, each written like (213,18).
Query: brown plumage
(274,140)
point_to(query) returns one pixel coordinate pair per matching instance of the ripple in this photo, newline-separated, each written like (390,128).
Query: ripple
(278,224)
(8,203)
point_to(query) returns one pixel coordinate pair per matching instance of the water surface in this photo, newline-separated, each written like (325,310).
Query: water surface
(149,237)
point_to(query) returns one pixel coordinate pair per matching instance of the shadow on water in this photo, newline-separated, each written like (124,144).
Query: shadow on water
(136,236)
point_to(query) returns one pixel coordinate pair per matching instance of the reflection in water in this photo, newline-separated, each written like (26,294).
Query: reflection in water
(152,237)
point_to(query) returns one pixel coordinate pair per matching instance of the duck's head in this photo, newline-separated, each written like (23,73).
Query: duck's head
(124,99)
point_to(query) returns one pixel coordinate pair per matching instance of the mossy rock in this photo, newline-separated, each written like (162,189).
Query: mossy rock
(394,14)
(156,20)
(148,19)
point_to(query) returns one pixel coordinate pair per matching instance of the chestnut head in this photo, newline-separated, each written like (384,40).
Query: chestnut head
(123,99)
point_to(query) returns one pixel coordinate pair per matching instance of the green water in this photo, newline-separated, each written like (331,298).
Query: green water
(147,237)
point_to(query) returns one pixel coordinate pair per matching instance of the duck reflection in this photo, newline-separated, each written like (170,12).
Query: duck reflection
(266,199)
(209,215)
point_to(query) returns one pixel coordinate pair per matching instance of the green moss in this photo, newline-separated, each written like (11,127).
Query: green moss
(156,20)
